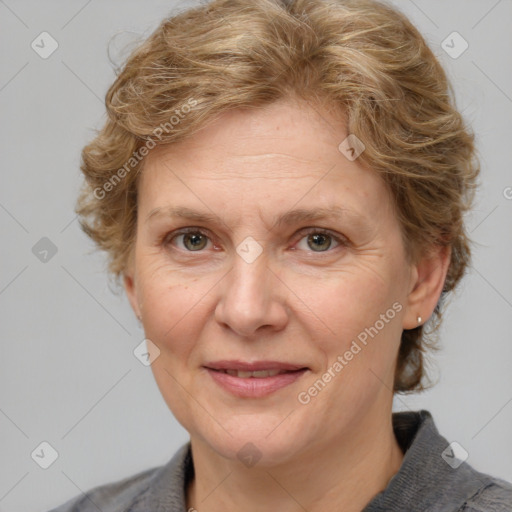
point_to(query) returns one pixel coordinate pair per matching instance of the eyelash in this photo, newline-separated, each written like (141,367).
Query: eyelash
(341,241)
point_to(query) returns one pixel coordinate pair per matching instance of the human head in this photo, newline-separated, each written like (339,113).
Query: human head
(359,58)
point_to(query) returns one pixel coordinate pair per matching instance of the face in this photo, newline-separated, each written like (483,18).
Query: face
(261,248)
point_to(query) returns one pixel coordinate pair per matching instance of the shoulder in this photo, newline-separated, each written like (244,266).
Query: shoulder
(435,477)
(137,492)
(495,496)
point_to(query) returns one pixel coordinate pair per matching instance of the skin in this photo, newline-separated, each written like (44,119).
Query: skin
(294,303)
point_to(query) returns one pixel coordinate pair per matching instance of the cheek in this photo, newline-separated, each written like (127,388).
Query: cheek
(359,351)
(352,299)
(173,319)
(172,307)
(361,315)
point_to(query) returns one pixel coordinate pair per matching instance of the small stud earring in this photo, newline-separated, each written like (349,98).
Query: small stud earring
(419,320)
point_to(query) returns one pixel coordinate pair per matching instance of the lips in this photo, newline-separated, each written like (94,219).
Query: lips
(256,379)
(258,374)
(253,367)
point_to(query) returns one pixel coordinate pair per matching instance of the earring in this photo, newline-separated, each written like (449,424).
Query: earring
(419,320)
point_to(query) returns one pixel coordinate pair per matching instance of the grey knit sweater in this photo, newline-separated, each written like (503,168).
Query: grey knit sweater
(430,479)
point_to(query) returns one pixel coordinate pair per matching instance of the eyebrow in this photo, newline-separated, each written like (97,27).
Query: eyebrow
(288,218)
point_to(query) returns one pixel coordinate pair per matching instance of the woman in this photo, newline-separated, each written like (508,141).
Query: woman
(281,185)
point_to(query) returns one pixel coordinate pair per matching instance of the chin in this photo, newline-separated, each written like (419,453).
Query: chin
(255,440)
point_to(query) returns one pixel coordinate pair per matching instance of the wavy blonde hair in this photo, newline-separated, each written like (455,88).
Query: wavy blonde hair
(359,56)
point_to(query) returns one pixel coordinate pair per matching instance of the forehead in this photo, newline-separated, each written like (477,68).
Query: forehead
(280,155)
(291,128)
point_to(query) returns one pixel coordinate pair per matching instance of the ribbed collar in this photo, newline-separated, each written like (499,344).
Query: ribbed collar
(425,482)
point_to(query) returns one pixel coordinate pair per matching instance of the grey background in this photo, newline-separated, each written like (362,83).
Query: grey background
(68,374)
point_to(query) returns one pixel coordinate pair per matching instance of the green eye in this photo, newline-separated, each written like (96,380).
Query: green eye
(188,239)
(194,241)
(319,241)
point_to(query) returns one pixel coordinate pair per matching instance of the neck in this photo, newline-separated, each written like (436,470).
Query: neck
(344,474)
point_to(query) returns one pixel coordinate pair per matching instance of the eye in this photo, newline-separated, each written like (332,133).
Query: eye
(196,240)
(318,240)
(192,239)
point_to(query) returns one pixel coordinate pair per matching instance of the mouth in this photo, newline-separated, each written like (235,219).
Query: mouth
(254,380)
(258,374)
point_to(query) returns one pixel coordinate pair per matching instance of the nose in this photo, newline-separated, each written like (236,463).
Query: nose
(252,299)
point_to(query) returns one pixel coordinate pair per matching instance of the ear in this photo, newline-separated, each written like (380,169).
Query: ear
(130,287)
(427,280)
